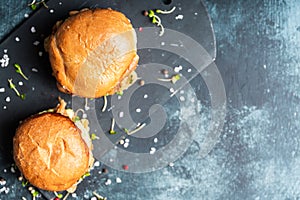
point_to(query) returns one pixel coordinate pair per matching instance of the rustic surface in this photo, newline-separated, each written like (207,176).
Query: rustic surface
(258,153)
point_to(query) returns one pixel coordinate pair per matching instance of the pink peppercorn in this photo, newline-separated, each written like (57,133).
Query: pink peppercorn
(125,167)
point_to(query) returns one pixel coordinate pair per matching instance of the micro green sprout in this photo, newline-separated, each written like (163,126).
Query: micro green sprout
(19,71)
(13,87)
(94,136)
(112,128)
(33,5)
(155,19)
(173,79)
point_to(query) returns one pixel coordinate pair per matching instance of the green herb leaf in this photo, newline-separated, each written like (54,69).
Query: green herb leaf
(33,6)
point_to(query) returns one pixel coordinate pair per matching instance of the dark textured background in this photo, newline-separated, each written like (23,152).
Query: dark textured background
(258,43)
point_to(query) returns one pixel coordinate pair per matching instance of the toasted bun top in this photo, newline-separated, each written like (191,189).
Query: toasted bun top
(50,152)
(92,51)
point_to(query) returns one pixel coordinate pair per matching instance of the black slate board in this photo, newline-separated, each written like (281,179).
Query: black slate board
(40,90)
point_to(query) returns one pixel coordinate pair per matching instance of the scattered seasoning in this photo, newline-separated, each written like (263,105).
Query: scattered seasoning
(20,83)
(26,15)
(165,72)
(182,98)
(107,182)
(4,107)
(104,170)
(35,43)
(172,90)
(145,96)
(162,43)
(155,140)
(104,103)
(23,198)
(40,53)
(99,196)
(171,164)
(121,142)
(51,11)
(178,69)
(20,178)
(173,79)
(127,140)
(179,17)
(7,99)
(12,169)
(4,60)
(2,90)
(140,29)
(96,164)
(94,198)
(141,82)
(19,71)
(126,144)
(112,131)
(74,195)
(138,110)
(34,70)
(2,181)
(118,180)
(152,150)
(125,167)
(17,39)
(121,114)
(120,93)
(32,29)
(189,70)
(4,189)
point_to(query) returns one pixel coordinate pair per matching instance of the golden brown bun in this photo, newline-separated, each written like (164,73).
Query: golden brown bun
(50,152)
(92,51)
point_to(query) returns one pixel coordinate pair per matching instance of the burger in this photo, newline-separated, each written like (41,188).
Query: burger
(53,149)
(93,53)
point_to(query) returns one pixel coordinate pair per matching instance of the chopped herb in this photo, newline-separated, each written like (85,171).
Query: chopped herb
(94,136)
(13,87)
(19,71)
